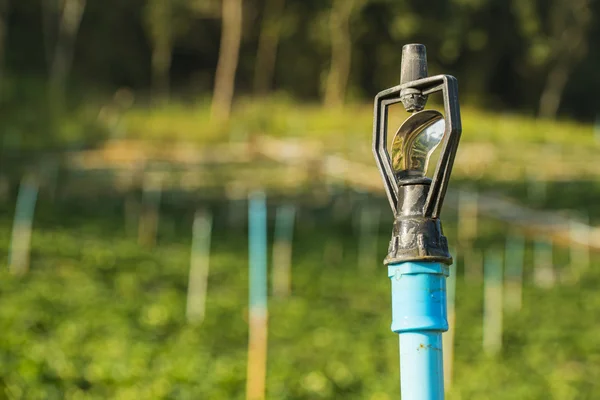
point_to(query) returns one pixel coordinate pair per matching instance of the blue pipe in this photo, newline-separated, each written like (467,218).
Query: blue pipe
(419,316)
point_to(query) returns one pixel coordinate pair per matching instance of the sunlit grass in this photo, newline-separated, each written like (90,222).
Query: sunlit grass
(282,117)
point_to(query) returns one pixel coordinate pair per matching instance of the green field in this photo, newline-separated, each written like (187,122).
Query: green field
(99,316)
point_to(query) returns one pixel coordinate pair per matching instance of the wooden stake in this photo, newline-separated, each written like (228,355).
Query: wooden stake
(148,226)
(492,313)
(282,250)
(257,335)
(536,189)
(580,247)
(468,213)
(514,257)
(236,204)
(18,257)
(131,206)
(199,267)
(333,252)
(543,269)
(448,337)
(132,213)
(473,265)
(50,172)
(342,208)
(367,242)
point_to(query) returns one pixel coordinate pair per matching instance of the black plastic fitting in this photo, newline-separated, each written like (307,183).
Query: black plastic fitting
(414,236)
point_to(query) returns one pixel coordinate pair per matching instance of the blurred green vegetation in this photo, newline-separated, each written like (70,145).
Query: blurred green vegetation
(506,54)
(353,124)
(345,131)
(100,317)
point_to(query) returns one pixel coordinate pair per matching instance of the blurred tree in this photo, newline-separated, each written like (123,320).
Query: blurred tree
(231,36)
(3,18)
(267,46)
(62,19)
(341,50)
(556,43)
(165,22)
(159,22)
(310,49)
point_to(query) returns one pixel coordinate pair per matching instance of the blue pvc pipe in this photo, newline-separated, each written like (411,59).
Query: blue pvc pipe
(419,316)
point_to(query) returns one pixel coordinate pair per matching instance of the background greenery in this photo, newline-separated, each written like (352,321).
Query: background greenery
(99,316)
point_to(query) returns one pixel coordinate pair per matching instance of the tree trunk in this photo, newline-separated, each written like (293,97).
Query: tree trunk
(231,35)
(553,90)
(49,22)
(70,20)
(161,66)
(159,21)
(3,18)
(267,46)
(571,24)
(341,48)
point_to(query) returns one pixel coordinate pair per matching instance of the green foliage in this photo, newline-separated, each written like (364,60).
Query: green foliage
(499,50)
(98,317)
(29,120)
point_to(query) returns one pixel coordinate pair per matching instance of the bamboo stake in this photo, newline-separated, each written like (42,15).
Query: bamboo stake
(543,270)
(18,257)
(235,205)
(333,251)
(468,213)
(258,315)
(513,278)
(342,208)
(492,314)
(132,213)
(50,171)
(148,225)
(367,242)
(537,189)
(131,206)
(199,267)
(282,250)
(473,264)
(580,247)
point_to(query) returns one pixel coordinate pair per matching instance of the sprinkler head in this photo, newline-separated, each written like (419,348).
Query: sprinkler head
(415,199)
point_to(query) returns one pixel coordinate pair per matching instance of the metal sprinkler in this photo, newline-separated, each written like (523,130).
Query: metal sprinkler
(418,258)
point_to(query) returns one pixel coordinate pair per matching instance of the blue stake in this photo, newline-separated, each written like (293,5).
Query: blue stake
(257,346)
(257,242)
(18,256)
